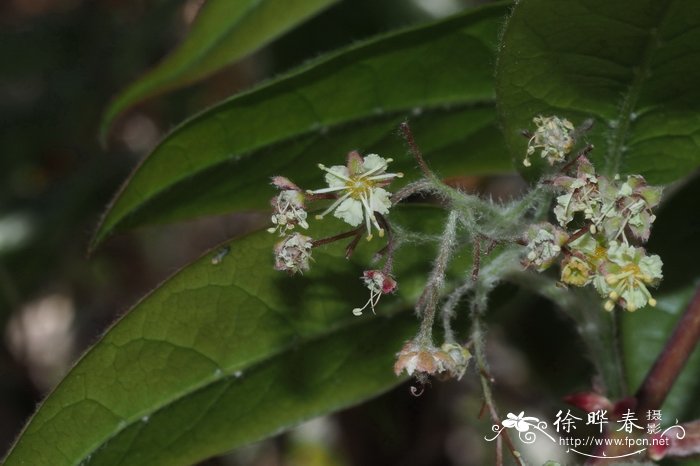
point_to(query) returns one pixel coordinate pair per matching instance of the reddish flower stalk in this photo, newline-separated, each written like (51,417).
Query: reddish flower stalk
(415,151)
(668,365)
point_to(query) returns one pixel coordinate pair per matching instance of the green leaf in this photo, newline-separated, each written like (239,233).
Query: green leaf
(631,65)
(462,140)
(353,97)
(336,371)
(223,32)
(225,354)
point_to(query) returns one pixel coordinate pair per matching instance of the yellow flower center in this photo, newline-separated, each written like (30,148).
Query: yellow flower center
(632,269)
(359,187)
(576,273)
(598,255)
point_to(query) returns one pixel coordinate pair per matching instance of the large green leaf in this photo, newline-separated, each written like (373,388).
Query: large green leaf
(223,32)
(462,140)
(340,369)
(285,125)
(224,354)
(631,65)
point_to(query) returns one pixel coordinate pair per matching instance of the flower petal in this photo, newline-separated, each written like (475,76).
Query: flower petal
(337,181)
(350,211)
(372,161)
(379,200)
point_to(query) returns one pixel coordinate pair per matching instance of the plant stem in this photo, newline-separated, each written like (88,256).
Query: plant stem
(415,151)
(585,151)
(476,257)
(331,239)
(422,187)
(449,308)
(486,380)
(427,303)
(670,362)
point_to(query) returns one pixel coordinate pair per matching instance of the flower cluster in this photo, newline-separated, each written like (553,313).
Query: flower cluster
(293,253)
(600,224)
(619,209)
(424,360)
(553,136)
(544,243)
(358,196)
(288,208)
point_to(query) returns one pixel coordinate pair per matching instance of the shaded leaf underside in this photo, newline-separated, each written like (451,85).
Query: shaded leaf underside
(314,114)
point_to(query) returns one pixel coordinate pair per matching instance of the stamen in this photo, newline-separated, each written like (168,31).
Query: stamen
(332,206)
(385,176)
(374,301)
(326,190)
(383,166)
(337,175)
(368,211)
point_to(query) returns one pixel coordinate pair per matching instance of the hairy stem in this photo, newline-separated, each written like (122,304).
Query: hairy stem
(415,151)
(427,303)
(418,187)
(449,308)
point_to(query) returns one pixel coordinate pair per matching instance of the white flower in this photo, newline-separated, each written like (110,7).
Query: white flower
(450,360)
(581,194)
(288,211)
(575,271)
(288,207)
(421,359)
(460,357)
(554,136)
(293,253)
(359,185)
(378,284)
(544,242)
(633,202)
(625,276)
